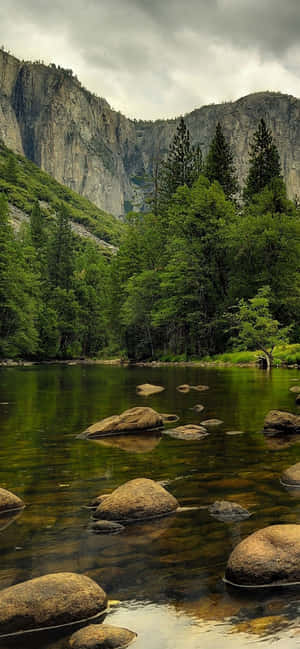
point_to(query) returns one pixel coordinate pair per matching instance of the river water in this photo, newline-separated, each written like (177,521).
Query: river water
(164,576)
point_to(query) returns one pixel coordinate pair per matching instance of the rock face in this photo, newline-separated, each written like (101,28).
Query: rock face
(75,136)
(291,476)
(132,421)
(9,502)
(278,421)
(188,432)
(270,556)
(136,500)
(225,510)
(48,601)
(101,636)
(146,389)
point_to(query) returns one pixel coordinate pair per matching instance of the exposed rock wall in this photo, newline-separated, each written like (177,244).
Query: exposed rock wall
(76,137)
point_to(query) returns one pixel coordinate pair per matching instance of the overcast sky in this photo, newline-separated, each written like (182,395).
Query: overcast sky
(162,58)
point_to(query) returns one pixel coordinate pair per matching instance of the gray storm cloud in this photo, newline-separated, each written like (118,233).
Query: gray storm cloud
(154,59)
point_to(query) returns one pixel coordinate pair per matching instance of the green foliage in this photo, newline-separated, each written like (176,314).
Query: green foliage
(264,162)
(219,164)
(256,328)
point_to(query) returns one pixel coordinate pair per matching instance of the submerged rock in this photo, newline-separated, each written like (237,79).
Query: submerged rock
(101,636)
(49,601)
(132,420)
(225,510)
(186,388)
(188,432)
(270,556)
(106,527)
(9,502)
(212,422)
(278,421)
(136,500)
(198,407)
(291,476)
(146,389)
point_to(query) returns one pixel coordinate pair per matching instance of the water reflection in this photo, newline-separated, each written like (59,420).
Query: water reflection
(167,573)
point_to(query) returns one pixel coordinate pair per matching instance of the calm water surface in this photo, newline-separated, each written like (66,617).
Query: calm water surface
(166,575)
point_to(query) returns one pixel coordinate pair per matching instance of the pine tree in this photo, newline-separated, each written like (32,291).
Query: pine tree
(264,162)
(61,251)
(10,171)
(219,164)
(37,227)
(179,168)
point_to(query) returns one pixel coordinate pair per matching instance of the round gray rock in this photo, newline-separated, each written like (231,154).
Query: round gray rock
(269,557)
(100,636)
(49,601)
(136,500)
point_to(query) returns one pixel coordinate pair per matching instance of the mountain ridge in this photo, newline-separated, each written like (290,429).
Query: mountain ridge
(75,136)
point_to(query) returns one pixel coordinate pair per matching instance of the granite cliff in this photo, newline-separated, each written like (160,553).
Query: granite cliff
(46,115)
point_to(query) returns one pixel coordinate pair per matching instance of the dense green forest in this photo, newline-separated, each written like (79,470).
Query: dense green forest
(209,267)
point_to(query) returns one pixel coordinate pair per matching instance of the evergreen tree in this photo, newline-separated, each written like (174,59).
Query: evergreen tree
(264,162)
(37,227)
(179,168)
(61,251)
(10,171)
(219,164)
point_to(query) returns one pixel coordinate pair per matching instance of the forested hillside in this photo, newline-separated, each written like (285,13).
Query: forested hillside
(212,266)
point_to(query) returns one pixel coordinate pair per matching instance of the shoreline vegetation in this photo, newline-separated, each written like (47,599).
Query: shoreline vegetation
(284,356)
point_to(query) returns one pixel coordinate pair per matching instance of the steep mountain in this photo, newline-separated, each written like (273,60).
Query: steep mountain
(24,183)
(46,115)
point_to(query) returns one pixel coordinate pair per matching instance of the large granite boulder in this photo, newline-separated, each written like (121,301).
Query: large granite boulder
(270,556)
(189,432)
(9,502)
(50,601)
(278,421)
(136,500)
(224,510)
(133,420)
(291,476)
(146,389)
(101,636)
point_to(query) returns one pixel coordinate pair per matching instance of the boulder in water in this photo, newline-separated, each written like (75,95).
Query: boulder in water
(133,420)
(212,422)
(136,500)
(49,601)
(101,636)
(9,502)
(278,421)
(291,476)
(295,388)
(146,389)
(269,557)
(188,432)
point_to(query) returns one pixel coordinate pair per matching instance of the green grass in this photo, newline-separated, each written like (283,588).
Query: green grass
(33,184)
(283,355)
